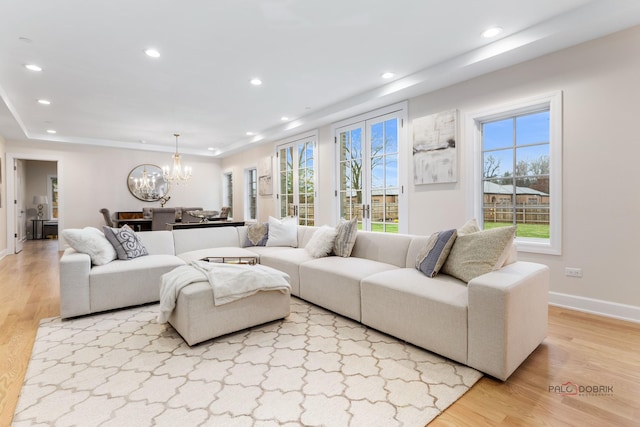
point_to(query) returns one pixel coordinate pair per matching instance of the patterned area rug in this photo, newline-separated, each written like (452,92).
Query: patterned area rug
(314,368)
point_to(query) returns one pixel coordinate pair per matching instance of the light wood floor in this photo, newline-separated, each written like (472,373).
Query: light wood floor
(580,348)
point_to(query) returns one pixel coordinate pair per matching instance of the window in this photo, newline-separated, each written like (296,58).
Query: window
(369,174)
(518,174)
(52,192)
(251,194)
(297,179)
(227,192)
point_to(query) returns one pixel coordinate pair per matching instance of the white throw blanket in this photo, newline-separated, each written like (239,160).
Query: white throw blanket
(229,282)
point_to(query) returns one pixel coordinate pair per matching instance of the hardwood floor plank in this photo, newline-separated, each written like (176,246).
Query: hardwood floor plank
(581,348)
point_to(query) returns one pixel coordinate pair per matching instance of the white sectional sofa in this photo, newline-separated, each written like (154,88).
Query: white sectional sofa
(492,323)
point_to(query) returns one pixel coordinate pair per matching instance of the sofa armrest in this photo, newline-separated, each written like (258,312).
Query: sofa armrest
(74,284)
(508,315)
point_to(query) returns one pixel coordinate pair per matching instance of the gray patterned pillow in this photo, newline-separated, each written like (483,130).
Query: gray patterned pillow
(257,234)
(125,241)
(475,254)
(431,259)
(347,232)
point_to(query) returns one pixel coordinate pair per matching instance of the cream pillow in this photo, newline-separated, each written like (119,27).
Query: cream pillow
(90,241)
(347,231)
(321,243)
(469,227)
(283,232)
(475,254)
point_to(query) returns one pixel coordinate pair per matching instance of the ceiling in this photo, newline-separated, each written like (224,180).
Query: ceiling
(319,60)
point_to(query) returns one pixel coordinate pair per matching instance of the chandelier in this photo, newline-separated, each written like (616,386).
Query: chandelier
(179,174)
(146,185)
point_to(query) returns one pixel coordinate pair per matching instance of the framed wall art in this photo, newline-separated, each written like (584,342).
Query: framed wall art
(435,155)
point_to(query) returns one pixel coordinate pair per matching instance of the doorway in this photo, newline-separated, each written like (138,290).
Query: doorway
(35,205)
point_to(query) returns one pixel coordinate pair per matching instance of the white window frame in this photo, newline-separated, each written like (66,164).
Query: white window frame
(250,191)
(295,141)
(404,155)
(227,197)
(473,136)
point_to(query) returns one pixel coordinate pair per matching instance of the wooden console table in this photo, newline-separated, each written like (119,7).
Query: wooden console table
(185,225)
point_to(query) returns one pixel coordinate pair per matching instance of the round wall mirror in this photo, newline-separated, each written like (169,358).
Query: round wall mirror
(145,182)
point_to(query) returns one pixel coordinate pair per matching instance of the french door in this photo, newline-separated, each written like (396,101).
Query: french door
(297,180)
(368,175)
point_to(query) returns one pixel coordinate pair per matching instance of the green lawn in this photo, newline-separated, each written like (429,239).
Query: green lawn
(540,231)
(391,228)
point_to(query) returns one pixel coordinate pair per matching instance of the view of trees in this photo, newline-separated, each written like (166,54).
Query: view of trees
(527,172)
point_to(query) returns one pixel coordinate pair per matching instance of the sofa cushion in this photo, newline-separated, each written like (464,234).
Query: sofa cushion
(159,242)
(283,232)
(321,243)
(475,254)
(91,241)
(434,254)
(230,252)
(288,261)
(334,282)
(125,242)
(123,283)
(346,235)
(383,247)
(203,238)
(428,312)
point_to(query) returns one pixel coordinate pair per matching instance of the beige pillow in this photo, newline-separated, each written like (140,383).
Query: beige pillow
(346,233)
(475,254)
(469,227)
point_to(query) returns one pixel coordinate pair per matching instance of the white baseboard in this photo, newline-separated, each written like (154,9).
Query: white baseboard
(616,310)
(4,253)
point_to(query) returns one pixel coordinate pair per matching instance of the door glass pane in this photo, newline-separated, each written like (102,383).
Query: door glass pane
(377,143)
(377,172)
(391,136)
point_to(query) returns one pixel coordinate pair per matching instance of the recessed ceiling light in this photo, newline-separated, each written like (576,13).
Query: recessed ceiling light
(33,67)
(152,53)
(284,118)
(491,32)
(256,82)
(51,131)
(250,133)
(211,148)
(44,102)
(387,75)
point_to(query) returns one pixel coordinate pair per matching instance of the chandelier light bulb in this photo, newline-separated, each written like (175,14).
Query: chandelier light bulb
(178,174)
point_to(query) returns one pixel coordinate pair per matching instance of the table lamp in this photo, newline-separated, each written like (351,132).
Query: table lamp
(40,201)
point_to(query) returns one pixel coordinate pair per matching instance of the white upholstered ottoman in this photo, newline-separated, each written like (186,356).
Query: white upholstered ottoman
(197,319)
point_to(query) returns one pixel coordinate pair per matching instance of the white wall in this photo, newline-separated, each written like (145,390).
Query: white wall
(3,198)
(93,177)
(601,202)
(237,165)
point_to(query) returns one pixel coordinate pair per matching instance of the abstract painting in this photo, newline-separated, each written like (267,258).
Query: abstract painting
(435,158)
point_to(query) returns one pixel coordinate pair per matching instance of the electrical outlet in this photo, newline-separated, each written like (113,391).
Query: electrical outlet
(573,272)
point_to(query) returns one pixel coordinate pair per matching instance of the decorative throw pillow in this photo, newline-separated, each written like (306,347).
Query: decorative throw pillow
(90,241)
(257,234)
(321,243)
(475,254)
(346,233)
(469,227)
(283,232)
(125,241)
(431,259)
